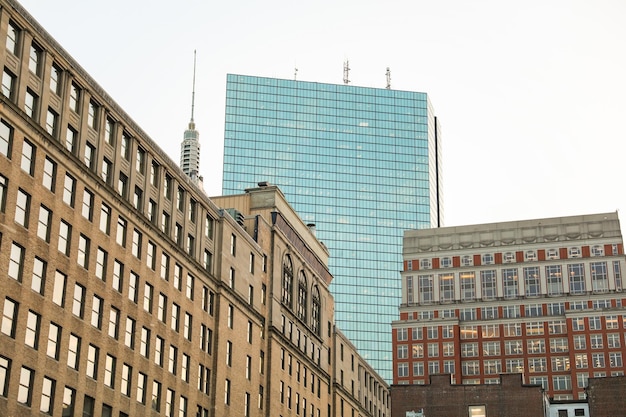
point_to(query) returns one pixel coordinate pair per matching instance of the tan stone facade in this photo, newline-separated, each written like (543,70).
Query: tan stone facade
(125,290)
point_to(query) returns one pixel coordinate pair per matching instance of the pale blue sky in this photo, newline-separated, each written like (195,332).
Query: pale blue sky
(531,95)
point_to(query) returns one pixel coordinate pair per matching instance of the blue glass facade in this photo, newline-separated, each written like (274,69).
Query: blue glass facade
(362,164)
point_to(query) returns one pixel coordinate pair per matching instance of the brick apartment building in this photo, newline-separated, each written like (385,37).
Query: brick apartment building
(126,291)
(539,297)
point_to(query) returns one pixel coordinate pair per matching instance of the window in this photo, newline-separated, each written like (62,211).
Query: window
(136,246)
(175,317)
(31,101)
(118,275)
(120,237)
(208,260)
(96,312)
(109,371)
(28,158)
(9,317)
(3,193)
(114,322)
(47,395)
(5,370)
(31,337)
(122,185)
(22,208)
(187,326)
(69,188)
(165,223)
(127,372)
(138,199)
(16,262)
(69,399)
(133,282)
(184,367)
(532,281)
(6,139)
(43,225)
(92,115)
(58,294)
(576,274)
(78,301)
(599,277)
(231,278)
(55,79)
(54,337)
(141,387)
(84,244)
(140,161)
(129,334)
(25,389)
(208,227)
(316,318)
(107,171)
(468,286)
(90,156)
(73,351)
(180,199)
(152,211)
(8,84)
(147,297)
(562,383)
(229,353)
(159,350)
(156,396)
(144,346)
(287,276)
(172,359)
(34,59)
(71,139)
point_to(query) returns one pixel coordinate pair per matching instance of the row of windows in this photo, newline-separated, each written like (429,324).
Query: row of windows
(508,257)
(304,307)
(511,347)
(506,282)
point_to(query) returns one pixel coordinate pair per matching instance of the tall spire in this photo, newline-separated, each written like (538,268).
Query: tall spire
(190,147)
(193,88)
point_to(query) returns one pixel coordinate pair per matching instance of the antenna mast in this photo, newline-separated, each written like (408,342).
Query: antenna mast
(388,74)
(193,89)
(346,72)
(295,74)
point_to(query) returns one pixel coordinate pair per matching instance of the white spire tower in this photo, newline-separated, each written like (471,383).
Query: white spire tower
(190,147)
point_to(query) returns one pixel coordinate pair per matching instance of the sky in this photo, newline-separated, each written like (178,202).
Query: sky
(531,95)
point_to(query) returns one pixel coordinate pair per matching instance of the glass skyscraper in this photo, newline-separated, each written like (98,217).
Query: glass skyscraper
(362,164)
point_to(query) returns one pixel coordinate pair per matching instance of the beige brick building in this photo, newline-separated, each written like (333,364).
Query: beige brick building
(125,290)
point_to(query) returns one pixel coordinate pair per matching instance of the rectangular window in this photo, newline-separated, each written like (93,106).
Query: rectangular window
(159,348)
(175,317)
(78,301)
(71,139)
(5,371)
(133,282)
(156,396)
(43,225)
(49,174)
(129,333)
(101,264)
(107,173)
(187,326)
(154,174)
(47,395)
(16,262)
(118,275)
(136,246)
(9,317)
(114,322)
(65,237)
(69,188)
(31,337)
(22,208)
(92,115)
(73,351)
(52,119)
(4,182)
(56,75)
(120,236)
(141,387)
(25,388)
(8,84)
(58,294)
(109,371)
(28,158)
(127,372)
(6,139)
(87,207)
(54,339)
(35,59)
(96,312)
(144,346)
(84,244)
(31,103)
(147,297)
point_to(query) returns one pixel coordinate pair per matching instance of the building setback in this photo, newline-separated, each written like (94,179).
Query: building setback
(361,164)
(124,290)
(540,297)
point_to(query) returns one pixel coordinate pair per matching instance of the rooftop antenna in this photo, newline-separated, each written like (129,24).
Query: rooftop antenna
(388,74)
(346,72)
(295,74)
(193,89)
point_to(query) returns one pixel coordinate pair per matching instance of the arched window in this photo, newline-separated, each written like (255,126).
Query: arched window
(316,311)
(287,281)
(302,296)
